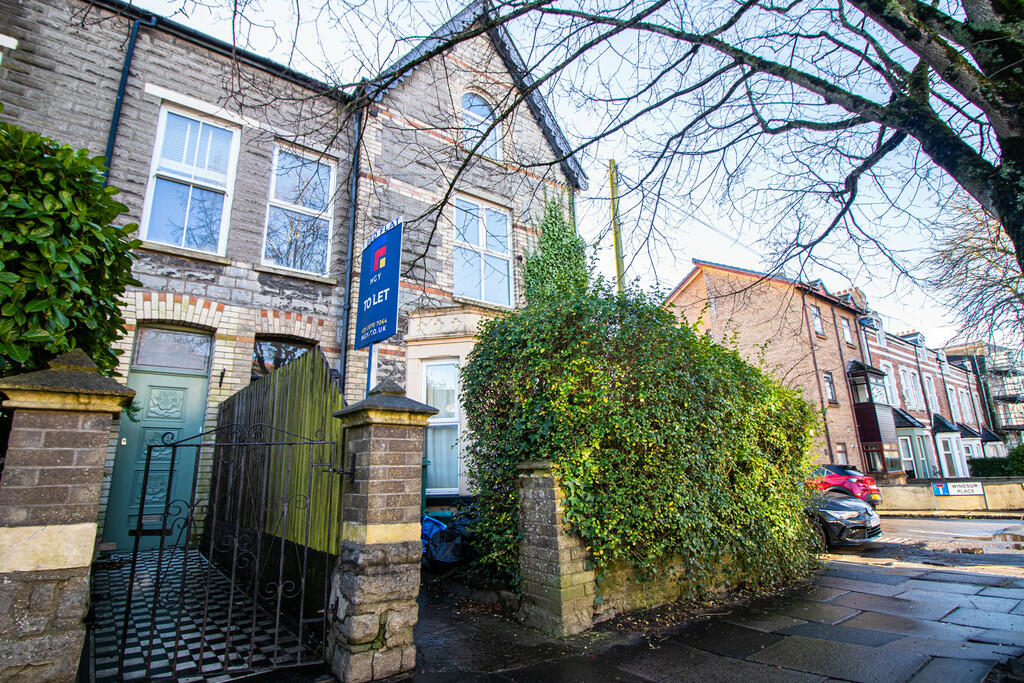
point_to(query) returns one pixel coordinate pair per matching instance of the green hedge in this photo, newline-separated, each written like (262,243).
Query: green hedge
(1010,466)
(668,445)
(63,264)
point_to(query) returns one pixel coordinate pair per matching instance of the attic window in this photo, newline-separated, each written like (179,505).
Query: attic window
(477,118)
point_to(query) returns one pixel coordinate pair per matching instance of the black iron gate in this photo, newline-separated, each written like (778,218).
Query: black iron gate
(236,578)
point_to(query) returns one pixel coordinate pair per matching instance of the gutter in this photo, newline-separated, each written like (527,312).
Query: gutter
(353,190)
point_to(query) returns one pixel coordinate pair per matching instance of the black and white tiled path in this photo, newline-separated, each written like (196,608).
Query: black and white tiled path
(208,646)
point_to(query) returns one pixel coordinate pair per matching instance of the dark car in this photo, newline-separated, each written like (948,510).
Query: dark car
(841,519)
(846,479)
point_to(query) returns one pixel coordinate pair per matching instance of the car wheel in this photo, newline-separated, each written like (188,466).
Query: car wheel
(820,542)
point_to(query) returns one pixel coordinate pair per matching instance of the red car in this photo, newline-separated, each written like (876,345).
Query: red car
(846,479)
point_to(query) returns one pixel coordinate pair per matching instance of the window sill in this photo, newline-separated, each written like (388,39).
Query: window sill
(482,304)
(820,335)
(851,345)
(833,402)
(478,155)
(181,251)
(296,274)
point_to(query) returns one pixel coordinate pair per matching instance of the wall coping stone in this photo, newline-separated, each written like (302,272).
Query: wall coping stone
(386,404)
(71,383)
(534,465)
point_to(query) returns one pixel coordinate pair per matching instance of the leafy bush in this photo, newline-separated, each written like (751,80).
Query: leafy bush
(63,263)
(668,445)
(1010,466)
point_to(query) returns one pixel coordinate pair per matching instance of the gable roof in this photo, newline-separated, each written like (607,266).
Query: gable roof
(816,287)
(968,433)
(941,424)
(521,76)
(905,420)
(988,436)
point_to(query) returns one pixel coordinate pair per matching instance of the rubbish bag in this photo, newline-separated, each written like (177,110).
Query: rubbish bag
(428,527)
(450,545)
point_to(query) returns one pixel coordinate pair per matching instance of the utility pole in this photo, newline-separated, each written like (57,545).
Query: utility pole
(613,181)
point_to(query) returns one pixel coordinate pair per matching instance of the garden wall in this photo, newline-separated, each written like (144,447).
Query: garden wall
(561,594)
(1000,493)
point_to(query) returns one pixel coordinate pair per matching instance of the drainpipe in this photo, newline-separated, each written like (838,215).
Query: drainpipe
(817,376)
(849,391)
(121,87)
(353,189)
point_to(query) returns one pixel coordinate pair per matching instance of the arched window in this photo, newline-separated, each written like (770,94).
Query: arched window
(270,353)
(477,117)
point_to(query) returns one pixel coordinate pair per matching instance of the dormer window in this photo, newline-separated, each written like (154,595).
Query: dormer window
(477,118)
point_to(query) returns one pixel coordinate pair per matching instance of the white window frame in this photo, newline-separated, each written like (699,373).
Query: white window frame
(890,388)
(481,125)
(830,387)
(7,43)
(229,186)
(816,322)
(327,213)
(954,407)
(847,332)
(906,458)
(929,387)
(910,390)
(966,409)
(483,250)
(435,421)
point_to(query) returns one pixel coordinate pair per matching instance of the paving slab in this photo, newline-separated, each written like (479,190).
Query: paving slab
(887,567)
(840,634)
(855,586)
(897,606)
(869,576)
(1019,609)
(966,577)
(842,660)
(674,661)
(997,637)
(578,669)
(762,620)
(1013,593)
(989,604)
(892,623)
(981,619)
(953,649)
(810,611)
(941,670)
(820,593)
(943,586)
(725,639)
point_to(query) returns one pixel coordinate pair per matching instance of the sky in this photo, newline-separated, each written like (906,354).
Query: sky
(341,46)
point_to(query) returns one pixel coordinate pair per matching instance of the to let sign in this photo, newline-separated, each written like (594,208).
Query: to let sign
(377,317)
(958,488)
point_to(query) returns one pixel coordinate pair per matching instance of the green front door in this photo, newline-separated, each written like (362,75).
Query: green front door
(170,403)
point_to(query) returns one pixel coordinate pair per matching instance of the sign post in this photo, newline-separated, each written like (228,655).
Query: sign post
(377,315)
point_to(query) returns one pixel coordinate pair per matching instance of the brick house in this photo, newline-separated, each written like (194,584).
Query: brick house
(255,188)
(890,405)
(1001,370)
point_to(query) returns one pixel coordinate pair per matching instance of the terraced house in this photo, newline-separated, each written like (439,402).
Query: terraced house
(890,405)
(255,188)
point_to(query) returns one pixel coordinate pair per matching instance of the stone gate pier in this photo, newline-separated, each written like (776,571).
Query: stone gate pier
(377,576)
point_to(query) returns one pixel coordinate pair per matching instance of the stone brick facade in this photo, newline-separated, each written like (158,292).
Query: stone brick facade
(62,79)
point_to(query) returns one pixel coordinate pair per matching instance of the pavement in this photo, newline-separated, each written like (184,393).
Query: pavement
(954,514)
(892,611)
